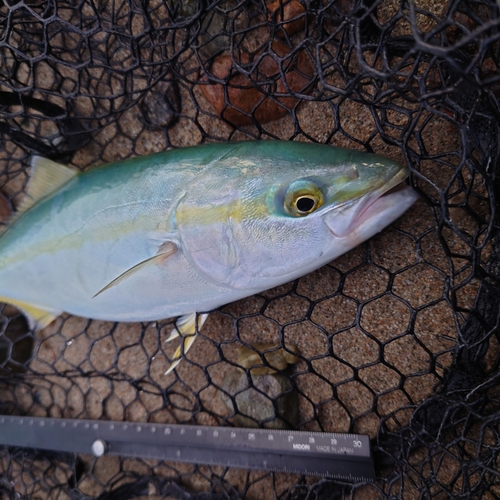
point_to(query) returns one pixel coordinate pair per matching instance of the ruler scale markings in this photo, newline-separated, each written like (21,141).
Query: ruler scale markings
(336,455)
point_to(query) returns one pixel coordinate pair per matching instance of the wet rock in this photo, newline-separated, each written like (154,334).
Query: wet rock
(280,11)
(188,8)
(161,105)
(241,101)
(269,401)
(213,35)
(267,398)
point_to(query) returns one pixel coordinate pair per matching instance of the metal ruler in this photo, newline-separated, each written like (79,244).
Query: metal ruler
(344,456)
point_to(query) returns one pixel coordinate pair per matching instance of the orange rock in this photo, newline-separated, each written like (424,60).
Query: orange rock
(281,11)
(5,209)
(240,99)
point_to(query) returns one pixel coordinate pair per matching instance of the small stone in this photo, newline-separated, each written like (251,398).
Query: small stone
(280,11)
(188,8)
(160,106)
(254,405)
(241,102)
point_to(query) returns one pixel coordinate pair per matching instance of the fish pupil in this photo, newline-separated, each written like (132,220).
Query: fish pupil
(305,204)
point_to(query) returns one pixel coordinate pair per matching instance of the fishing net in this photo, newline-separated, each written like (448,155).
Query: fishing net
(397,339)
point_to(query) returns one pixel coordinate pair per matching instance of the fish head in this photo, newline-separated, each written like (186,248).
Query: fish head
(257,224)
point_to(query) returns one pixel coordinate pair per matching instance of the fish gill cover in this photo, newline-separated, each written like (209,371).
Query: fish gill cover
(397,339)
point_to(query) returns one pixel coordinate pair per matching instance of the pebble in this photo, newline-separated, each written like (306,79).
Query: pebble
(161,106)
(247,102)
(279,13)
(255,404)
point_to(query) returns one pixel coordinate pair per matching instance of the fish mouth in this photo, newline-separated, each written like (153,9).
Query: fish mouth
(379,207)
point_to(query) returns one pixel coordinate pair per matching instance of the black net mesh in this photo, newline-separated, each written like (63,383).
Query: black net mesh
(397,339)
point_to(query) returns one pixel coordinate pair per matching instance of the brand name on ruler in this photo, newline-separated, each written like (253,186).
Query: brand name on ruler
(300,446)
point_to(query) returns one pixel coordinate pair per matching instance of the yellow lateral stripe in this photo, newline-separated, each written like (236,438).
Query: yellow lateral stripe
(235,210)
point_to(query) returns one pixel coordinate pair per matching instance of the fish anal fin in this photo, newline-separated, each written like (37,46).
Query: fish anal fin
(37,318)
(165,251)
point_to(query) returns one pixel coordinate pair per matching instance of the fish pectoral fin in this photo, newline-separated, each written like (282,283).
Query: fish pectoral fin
(37,318)
(186,327)
(166,250)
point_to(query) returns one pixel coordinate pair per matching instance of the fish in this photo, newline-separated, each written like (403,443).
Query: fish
(185,231)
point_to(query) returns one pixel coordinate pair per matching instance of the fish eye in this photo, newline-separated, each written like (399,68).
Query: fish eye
(306,204)
(302,198)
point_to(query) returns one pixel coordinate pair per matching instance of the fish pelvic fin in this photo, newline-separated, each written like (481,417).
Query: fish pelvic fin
(166,250)
(185,327)
(37,317)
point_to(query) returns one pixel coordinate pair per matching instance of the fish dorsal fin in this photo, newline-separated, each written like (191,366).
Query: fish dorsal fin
(47,176)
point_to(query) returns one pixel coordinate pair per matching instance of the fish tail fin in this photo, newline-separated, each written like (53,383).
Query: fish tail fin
(37,317)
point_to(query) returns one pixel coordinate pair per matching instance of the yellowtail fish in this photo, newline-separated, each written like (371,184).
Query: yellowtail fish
(188,230)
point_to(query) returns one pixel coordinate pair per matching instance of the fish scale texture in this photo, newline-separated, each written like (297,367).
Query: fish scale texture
(397,339)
